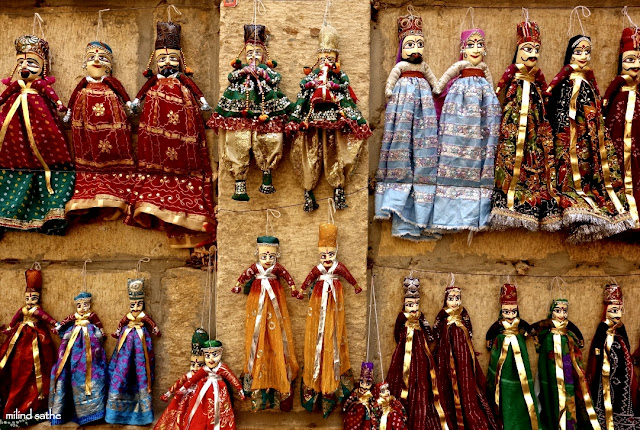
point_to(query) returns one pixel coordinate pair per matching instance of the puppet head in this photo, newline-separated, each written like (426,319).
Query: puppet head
(559,310)
(629,60)
(528,44)
(135,288)
(328,244)
(98,60)
(410,39)
(473,46)
(613,302)
(383,390)
(328,50)
(366,375)
(268,250)
(452,297)
(200,336)
(255,44)
(34,287)
(83,303)
(578,51)
(411,288)
(508,302)
(32,57)
(212,350)
(168,52)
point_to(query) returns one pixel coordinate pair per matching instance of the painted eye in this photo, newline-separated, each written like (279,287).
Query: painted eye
(480,45)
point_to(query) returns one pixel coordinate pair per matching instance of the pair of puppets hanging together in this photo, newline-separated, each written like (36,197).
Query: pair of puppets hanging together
(327,127)
(36,174)
(79,378)
(510,386)
(408,165)
(174,186)
(27,356)
(251,114)
(327,373)
(412,373)
(390,413)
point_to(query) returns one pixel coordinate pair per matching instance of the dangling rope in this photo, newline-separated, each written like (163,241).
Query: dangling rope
(327,12)
(473,22)
(142,260)
(575,14)
(175,9)
(557,284)
(452,282)
(84,274)
(100,26)
(625,13)
(268,225)
(331,209)
(411,10)
(37,19)
(375,313)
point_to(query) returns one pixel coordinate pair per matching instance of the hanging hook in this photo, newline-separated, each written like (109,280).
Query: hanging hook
(275,214)
(37,19)
(575,14)
(142,260)
(100,23)
(175,9)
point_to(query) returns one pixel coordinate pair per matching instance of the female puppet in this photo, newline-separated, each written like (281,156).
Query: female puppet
(131,369)
(460,379)
(360,407)
(412,373)
(408,164)
(390,413)
(610,371)
(79,378)
(174,188)
(510,381)
(524,168)
(271,365)
(589,185)
(468,134)
(176,416)
(251,114)
(327,126)
(35,163)
(101,136)
(327,370)
(210,405)
(621,108)
(27,355)
(564,395)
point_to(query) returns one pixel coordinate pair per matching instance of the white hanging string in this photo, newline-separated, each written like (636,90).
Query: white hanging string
(612,280)
(36,265)
(375,313)
(142,260)
(625,13)
(99,29)
(411,274)
(452,281)
(37,19)
(525,14)
(557,284)
(84,274)
(473,22)
(258,9)
(331,209)
(169,9)
(269,225)
(411,10)
(327,9)
(509,279)
(575,14)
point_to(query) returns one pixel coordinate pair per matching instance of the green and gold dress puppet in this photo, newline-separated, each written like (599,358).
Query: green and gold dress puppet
(327,127)
(327,369)
(101,137)
(251,114)
(610,373)
(564,397)
(389,411)
(176,416)
(79,378)
(360,407)
(36,177)
(510,387)
(271,364)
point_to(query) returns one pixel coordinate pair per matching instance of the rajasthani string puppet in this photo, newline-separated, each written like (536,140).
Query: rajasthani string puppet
(468,134)
(460,379)
(621,107)
(176,416)
(101,137)
(564,395)
(412,373)
(132,365)
(589,184)
(174,187)
(524,168)
(270,365)
(360,407)
(79,378)
(510,381)
(210,405)
(35,163)
(408,164)
(390,413)
(610,373)
(27,355)
(251,114)
(327,127)
(327,369)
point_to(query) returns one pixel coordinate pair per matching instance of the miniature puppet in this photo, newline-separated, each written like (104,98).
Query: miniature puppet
(389,411)
(360,407)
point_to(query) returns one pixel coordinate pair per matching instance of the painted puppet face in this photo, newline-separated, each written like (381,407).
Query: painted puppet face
(328,255)
(168,61)
(30,66)
(98,62)
(384,392)
(509,312)
(631,63)
(474,49)
(83,307)
(614,313)
(213,358)
(31,299)
(528,53)
(366,384)
(413,49)
(196,362)
(412,305)
(254,53)
(267,255)
(453,299)
(560,312)
(136,306)
(581,54)
(327,57)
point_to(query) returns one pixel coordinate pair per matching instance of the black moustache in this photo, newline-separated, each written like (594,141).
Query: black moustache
(415,58)
(167,71)
(25,73)
(531,59)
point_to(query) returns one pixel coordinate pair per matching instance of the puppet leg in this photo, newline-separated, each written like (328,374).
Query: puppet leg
(340,152)
(237,155)
(267,149)
(306,157)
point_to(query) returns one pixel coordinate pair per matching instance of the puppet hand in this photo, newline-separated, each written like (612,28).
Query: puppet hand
(388,93)
(311,84)
(246,70)
(236,290)
(242,396)
(165,396)
(157,332)
(182,391)
(204,105)
(135,105)
(60,107)
(333,86)
(357,289)
(67,117)
(54,330)
(116,334)
(489,345)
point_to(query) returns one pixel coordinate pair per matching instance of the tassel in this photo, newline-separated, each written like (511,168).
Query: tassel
(7,80)
(272,64)
(306,70)
(188,71)
(147,73)
(236,64)
(336,67)
(244,112)
(263,118)
(304,125)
